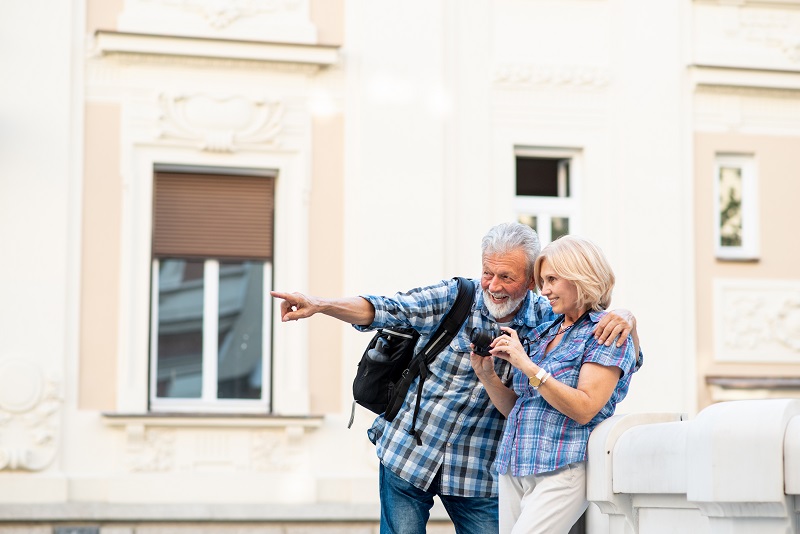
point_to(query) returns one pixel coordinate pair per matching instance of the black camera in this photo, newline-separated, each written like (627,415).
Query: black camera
(482,339)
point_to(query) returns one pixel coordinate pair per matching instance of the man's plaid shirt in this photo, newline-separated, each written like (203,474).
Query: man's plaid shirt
(459,426)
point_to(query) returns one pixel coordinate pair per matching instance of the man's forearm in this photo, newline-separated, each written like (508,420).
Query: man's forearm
(353,310)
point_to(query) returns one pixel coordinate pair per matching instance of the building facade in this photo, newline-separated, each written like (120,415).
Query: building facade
(166,163)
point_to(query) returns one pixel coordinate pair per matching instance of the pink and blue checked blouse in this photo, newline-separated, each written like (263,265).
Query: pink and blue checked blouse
(537,438)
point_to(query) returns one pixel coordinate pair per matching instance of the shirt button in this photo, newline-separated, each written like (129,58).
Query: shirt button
(460,418)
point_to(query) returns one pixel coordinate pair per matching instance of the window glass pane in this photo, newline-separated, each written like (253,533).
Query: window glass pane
(730,202)
(241,316)
(542,177)
(180,329)
(530,220)
(558,226)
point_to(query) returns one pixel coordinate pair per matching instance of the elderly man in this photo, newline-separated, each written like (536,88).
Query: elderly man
(460,427)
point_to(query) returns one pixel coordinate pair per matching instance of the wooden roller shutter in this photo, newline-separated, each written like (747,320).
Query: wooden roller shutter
(213,216)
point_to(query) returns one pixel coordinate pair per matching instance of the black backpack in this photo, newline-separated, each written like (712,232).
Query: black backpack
(389,364)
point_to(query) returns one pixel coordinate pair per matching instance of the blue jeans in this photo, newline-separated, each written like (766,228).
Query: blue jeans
(405,509)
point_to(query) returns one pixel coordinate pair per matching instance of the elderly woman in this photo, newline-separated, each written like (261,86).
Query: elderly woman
(565,383)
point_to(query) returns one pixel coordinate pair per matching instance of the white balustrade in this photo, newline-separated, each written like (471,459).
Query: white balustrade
(734,468)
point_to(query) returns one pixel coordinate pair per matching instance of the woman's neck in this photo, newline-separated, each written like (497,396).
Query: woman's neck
(574,315)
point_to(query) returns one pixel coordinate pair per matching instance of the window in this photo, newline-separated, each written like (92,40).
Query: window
(545,185)
(736,207)
(211,271)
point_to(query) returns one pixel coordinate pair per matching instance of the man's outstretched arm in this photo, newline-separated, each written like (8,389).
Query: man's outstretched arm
(353,310)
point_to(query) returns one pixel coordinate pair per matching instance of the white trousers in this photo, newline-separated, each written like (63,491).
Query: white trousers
(548,503)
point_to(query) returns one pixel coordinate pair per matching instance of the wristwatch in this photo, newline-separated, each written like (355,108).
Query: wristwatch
(536,381)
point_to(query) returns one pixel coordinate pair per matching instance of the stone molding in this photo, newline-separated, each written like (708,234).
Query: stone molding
(522,75)
(108,43)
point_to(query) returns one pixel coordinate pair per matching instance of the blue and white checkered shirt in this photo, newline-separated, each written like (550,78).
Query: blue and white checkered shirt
(537,437)
(459,426)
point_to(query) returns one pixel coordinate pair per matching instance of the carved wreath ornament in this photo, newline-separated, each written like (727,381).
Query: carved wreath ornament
(29,407)
(220,123)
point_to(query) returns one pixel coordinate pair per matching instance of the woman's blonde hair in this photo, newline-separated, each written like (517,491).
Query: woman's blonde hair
(580,261)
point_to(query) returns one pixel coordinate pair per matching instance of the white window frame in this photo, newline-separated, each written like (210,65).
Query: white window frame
(547,208)
(749,249)
(208,402)
(289,388)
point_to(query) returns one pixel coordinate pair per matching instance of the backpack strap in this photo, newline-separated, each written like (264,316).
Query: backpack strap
(448,328)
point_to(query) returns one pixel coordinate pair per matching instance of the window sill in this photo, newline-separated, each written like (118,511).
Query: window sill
(211,420)
(728,388)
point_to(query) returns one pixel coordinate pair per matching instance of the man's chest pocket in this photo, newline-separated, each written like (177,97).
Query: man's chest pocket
(455,360)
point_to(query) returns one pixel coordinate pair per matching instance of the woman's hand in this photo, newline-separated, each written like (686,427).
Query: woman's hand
(509,348)
(501,395)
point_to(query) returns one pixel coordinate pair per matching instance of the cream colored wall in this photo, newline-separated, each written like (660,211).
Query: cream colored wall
(102,14)
(326,257)
(328,17)
(100,258)
(778,159)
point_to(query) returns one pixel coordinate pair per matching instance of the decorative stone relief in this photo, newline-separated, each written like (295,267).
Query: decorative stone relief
(273,450)
(748,36)
(150,449)
(562,76)
(757,320)
(285,21)
(220,123)
(220,14)
(770,28)
(29,416)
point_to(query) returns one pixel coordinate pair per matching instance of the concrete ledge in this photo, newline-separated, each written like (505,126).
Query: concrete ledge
(198,512)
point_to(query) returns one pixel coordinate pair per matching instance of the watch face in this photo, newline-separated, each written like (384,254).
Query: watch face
(534,381)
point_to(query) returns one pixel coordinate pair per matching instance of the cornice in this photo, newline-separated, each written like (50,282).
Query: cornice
(728,76)
(112,42)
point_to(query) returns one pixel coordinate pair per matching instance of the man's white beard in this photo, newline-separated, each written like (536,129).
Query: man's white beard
(499,311)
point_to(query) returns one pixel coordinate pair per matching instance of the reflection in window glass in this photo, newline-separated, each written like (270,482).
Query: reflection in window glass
(730,206)
(240,319)
(180,329)
(542,177)
(559,227)
(530,220)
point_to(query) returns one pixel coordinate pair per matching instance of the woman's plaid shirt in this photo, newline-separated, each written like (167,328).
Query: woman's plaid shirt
(538,438)
(459,427)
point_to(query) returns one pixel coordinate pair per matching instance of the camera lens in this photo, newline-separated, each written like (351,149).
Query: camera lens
(482,339)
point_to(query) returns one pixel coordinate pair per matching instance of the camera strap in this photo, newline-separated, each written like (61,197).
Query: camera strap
(448,328)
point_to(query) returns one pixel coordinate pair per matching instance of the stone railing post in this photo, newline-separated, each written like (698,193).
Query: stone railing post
(735,465)
(599,478)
